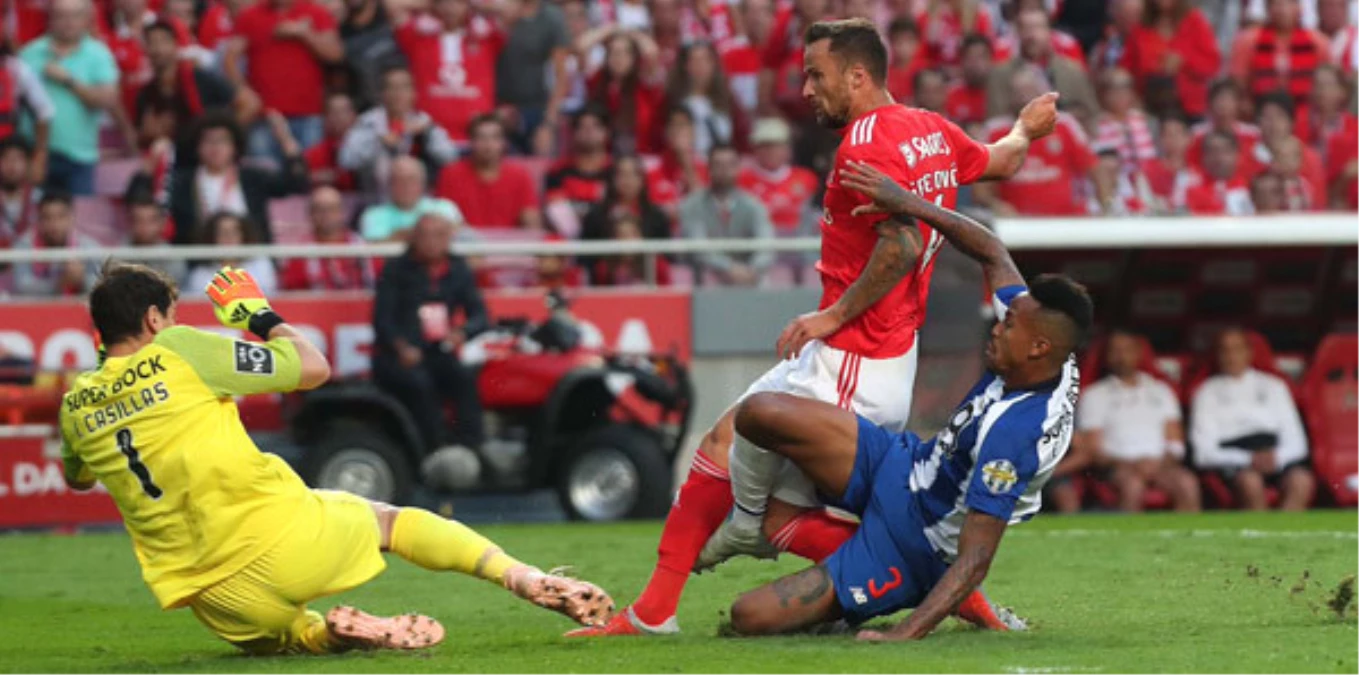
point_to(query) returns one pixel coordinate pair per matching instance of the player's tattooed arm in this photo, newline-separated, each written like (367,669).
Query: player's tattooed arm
(966,234)
(977,546)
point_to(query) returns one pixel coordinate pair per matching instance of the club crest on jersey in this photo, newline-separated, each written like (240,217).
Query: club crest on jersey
(908,153)
(998,475)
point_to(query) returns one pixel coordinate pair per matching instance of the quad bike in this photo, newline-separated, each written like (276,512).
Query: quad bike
(601,429)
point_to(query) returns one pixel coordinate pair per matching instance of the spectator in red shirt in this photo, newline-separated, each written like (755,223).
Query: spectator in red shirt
(931,90)
(1224,111)
(396,128)
(626,195)
(627,269)
(966,99)
(286,45)
(1329,113)
(178,92)
(452,54)
(329,225)
(681,169)
(908,58)
(781,76)
(124,28)
(1173,56)
(945,23)
(1280,55)
(1342,170)
(785,190)
(490,192)
(1055,175)
(1168,174)
(699,85)
(1267,194)
(1222,189)
(578,183)
(629,86)
(1303,173)
(218,22)
(323,159)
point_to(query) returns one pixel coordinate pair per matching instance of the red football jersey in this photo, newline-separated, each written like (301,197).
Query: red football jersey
(924,153)
(1050,180)
(783,192)
(1219,197)
(215,26)
(454,72)
(966,104)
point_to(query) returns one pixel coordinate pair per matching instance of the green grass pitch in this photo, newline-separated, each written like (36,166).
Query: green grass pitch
(1156,593)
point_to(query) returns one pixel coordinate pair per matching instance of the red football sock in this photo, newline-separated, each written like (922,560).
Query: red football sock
(703,503)
(814,535)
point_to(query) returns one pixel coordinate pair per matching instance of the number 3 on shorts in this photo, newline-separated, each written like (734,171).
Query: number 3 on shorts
(134,463)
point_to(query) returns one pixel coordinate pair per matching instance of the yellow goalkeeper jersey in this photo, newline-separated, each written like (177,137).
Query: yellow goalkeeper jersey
(160,430)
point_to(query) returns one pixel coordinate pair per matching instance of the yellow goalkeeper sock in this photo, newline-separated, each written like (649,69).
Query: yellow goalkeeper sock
(309,634)
(435,543)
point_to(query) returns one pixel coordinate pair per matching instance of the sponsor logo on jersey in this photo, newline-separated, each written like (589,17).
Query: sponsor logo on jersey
(908,153)
(253,359)
(860,598)
(931,145)
(999,476)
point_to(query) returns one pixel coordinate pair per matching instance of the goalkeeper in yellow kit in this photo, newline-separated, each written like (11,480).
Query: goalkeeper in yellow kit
(229,531)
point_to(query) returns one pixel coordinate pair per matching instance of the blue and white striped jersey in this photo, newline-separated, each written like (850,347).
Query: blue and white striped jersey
(997,451)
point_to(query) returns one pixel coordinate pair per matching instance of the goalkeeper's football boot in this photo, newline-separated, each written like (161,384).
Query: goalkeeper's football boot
(361,630)
(730,541)
(978,610)
(581,601)
(627,623)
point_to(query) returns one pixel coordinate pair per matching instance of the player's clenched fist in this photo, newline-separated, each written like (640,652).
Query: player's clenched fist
(1039,116)
(239,303)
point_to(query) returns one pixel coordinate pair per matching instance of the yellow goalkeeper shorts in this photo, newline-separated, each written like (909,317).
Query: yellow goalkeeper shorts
(333,546)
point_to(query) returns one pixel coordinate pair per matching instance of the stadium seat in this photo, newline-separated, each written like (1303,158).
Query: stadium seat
(111,176)
(1329,409)
(288,220)
(100,219)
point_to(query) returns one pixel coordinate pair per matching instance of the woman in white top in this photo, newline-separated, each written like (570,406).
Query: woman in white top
(230,229)
(1244,425)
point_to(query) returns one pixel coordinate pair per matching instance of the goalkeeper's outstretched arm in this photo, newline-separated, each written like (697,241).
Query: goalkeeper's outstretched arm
(314,367)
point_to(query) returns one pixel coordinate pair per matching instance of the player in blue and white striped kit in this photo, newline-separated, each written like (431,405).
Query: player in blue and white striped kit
(932,511)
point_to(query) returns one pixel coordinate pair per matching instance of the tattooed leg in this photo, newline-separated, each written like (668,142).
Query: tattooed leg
(789,604)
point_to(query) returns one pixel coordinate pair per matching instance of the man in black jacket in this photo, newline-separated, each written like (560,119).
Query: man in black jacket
(427,306)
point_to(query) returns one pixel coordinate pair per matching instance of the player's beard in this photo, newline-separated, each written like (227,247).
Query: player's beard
(825,119)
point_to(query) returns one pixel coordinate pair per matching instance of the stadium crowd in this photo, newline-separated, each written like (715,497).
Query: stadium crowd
(159,122)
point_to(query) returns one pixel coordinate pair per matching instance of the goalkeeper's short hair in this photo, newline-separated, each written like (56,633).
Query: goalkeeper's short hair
(121,298)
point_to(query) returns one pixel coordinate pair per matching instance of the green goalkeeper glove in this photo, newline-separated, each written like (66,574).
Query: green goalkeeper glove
(239,303)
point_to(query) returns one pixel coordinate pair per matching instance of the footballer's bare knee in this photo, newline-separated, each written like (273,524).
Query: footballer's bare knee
(386,518)
(763,418)
(716,443)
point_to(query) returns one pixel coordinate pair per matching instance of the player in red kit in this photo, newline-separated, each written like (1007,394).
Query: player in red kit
(858,349)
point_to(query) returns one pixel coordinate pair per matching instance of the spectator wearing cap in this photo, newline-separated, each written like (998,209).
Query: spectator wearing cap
(1222,188)
(177,92)
(81,79)
(54,229)
(535,53)
(323,159)
(146,227)
(681,168)
(785,190)
(1055,177)
(1066,76)
(1281,55)
(1245,426)
(452,37)
(280,50)
(329,226)
(1132,423)
(396,128)
(908,58)
(579,182)
(20,190)
(1173,56)
(489,191)
(406,203)
(724,211)
(966,99)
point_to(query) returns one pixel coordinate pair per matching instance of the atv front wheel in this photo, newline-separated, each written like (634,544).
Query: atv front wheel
(615,473)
